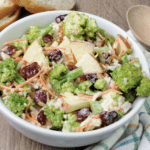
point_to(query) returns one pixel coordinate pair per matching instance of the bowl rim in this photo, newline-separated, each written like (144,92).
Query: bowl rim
(24,124)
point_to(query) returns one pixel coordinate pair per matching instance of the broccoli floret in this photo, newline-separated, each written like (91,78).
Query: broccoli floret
(130,96)
(70,124)
(79,37)
(109,38)
(102,32)
(68,87)
(74,24)
(127,76)
(60,74)
(8,72)
(35,33)
(84,88)
(100,84)
(59,70)
(96,107)
(17,103)
(144,88)
(137,64)
(19,45)
(124,59)
(91,28)
(78,24)
(103,53)
(114,96)
(55,115)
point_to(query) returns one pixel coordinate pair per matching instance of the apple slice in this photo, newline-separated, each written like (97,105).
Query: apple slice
(66,44)
(79,48)
(72,102)
(89,64)
(123,44)
(35,54)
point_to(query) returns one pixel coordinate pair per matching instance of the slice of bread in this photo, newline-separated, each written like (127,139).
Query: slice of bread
(18,2)
(35,6)
(6,7)
(4,22)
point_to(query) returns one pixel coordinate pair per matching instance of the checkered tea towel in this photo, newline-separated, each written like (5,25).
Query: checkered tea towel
(135,135)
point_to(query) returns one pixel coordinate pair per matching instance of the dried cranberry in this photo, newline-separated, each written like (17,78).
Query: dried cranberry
(30,70)
(71,67)
(82,78)
(41,118)
(48,38)
(82,114)
(40,96)
(55,55)
(91,77)
(60,18)
(10,49)
(108,117)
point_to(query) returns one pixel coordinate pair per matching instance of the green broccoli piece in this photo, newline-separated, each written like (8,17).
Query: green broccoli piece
(109,38)
(127,76)
(91,28)
(20,80)
(42,43)
(60,74)
(8,72)
(68,87)
(55,115)
(102,32)
(84,88)
(96,107)
(144,88)
(17,103)
(19,45)
(130,96)
(79,37)
(102,54)
(137,64)
(100,84)
(46,30)
(114,96)
(124,59)
(74,24)
(35,33)
(59,70)
(70,124)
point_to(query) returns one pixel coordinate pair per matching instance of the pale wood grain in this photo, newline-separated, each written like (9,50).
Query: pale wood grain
(138,19)
(112,10)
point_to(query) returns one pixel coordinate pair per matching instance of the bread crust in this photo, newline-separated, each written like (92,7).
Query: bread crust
(34,6)
(15,2)
(5,10)
(10,20)
(18,2)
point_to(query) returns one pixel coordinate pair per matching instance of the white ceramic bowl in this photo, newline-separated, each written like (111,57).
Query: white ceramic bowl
(57,138)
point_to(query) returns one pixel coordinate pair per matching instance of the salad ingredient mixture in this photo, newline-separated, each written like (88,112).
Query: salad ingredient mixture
(70,76)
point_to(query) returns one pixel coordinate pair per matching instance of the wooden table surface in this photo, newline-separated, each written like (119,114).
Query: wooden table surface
(112,10)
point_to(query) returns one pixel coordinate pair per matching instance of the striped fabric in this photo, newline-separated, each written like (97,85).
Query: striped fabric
(134,135)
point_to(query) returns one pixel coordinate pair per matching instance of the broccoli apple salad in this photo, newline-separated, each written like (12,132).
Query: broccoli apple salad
(70,76)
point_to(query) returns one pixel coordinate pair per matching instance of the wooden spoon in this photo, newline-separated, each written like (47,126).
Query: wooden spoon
(138,18)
